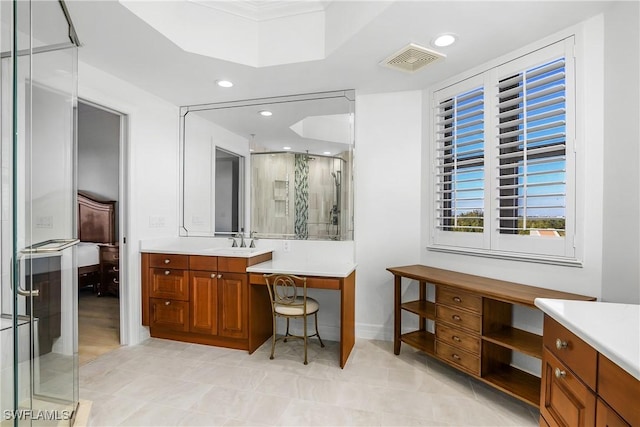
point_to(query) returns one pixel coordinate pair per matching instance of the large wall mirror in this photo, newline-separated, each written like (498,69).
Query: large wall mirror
(300,163)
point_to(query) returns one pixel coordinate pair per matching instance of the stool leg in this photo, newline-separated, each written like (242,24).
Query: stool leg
(287,333)
(305,339)
(273,338)
(318,333)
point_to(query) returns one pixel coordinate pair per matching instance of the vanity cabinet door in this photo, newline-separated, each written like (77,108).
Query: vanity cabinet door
(169,314)
(204,302)
(233,297)
(565,400)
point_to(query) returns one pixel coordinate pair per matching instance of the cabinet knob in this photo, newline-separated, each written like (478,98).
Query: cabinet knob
(167,261)
(167,272)
(560,374)
(219,276)
(456,318)
(457,299)
(455,356)
(213,275)
(167,303)
(561,344)
(456,338)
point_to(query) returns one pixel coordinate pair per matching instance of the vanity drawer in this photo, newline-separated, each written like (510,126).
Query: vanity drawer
(458,357)
(169,314)
(169,284)
(203,263)
(169,261)
(571,350)
(459,318)
(232,264)
(456,298)
(457,338)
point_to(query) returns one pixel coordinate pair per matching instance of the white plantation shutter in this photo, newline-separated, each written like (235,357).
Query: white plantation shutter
(460,162)
(532,151)
(503,151)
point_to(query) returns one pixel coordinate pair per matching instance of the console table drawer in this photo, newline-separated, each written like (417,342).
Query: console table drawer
(459,318)
(457,338)
(456,298)
(458,357)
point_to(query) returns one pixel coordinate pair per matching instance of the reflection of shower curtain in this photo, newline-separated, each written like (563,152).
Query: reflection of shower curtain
(301,199)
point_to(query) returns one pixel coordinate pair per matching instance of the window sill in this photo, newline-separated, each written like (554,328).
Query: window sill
(508,256)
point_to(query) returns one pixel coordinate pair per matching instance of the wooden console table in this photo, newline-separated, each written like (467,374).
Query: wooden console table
(473,331)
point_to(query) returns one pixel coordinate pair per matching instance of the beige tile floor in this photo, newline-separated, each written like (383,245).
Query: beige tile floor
(170,383)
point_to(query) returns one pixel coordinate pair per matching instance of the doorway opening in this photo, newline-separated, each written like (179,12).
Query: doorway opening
(101,225)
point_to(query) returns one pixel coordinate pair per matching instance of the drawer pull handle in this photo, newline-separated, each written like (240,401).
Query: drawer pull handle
(115,281)
(167,303)
(115,269)
(456,318)
(455,356)
(561,344)
(560,374)
(116,257)
(167,261)
(456,338)
(457,299)
(167,272)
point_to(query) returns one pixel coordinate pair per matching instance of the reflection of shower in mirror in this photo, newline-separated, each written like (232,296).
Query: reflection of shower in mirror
(334,214)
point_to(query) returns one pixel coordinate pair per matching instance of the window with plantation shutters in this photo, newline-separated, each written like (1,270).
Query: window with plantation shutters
(532,151)
(503,151)
(460,162)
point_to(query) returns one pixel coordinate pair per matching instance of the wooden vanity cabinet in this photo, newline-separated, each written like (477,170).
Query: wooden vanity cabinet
(581,387)
(195,298)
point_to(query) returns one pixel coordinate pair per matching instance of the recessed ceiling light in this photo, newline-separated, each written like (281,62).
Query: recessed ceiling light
(224,83)
(327,152)
(444,40)
(265,113)
(286,148)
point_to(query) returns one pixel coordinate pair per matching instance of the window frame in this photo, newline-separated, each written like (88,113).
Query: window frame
(492,243)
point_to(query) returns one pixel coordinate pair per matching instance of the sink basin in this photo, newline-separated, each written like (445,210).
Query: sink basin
(238,252)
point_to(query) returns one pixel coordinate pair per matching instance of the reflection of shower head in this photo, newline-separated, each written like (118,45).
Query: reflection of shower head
(336,177)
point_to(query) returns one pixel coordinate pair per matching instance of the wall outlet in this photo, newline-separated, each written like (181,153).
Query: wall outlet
(286,246)
(156,221)
(44,222)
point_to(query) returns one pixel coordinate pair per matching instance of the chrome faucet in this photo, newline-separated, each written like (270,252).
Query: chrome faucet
(234,244)
(241,237)
(253,239)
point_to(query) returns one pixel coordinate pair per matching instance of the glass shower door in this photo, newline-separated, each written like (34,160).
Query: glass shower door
(39,276)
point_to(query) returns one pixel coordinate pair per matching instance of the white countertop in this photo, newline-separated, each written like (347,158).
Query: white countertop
(305,268)
(207,247)
(612,329)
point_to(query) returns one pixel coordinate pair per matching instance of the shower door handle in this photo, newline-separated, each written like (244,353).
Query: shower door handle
(15,269)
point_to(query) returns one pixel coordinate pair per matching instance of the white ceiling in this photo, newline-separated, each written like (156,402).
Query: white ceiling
(118,42)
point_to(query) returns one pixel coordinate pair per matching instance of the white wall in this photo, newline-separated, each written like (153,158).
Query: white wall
(621,251)
(387,202)
(152,192)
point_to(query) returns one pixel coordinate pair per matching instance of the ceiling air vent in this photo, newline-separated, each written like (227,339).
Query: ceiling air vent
(411,58)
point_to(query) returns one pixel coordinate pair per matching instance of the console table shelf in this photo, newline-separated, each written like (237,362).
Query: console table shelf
(472,320)
(517,339)
(425,309)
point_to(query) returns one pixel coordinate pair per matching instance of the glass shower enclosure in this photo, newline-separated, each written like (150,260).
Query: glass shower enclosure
(38,294)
